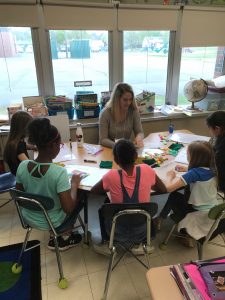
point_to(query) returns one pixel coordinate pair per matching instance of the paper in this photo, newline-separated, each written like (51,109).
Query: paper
(149,152)
(94,174)
(65,154)
(5,128)
(187,138)
(182,156)
(94,150)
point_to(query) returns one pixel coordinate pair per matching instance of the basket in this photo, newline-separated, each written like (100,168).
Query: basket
(70,112)
(84,113)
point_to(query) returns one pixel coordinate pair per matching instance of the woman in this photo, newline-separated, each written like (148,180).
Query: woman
(120,118)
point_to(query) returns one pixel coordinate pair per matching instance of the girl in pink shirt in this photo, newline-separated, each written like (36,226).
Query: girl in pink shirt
(132,184)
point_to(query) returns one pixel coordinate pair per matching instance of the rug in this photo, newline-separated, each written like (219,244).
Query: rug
(24,286)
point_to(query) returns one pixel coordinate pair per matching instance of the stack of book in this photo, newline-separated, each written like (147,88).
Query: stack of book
(201,280)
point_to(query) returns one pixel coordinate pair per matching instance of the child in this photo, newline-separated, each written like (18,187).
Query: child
(201,180)
(16,148)
(216,125)
(41,176)
(142,177)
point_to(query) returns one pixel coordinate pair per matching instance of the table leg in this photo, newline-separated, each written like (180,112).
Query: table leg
(86,241)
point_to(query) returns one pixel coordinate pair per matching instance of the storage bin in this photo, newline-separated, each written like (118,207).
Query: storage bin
(70,112)
(83,113)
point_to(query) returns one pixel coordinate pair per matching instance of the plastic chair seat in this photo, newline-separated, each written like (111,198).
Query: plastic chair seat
(7,181)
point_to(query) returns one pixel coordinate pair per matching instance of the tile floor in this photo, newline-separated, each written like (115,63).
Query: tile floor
(86,270)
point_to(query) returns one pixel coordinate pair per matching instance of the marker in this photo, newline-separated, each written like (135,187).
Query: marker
(90,161)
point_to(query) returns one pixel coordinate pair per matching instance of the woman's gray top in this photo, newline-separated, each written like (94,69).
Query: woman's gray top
(109,130)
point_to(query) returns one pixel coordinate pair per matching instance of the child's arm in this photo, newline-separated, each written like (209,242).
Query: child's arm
(173,183)
(159,186)
(98,188)
(22,156)
(69,198)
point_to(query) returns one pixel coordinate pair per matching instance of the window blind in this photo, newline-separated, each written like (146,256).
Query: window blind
(203,28)
(18,15)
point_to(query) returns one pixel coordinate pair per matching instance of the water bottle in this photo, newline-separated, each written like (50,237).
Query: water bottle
(171,128)
(79,136)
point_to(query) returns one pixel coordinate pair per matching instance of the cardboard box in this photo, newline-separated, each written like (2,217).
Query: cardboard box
(145,102)
(35,105)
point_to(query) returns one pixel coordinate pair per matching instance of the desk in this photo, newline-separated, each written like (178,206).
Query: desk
(72,154)
(161,284)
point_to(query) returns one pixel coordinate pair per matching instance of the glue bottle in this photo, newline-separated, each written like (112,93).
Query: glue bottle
(79,136)
(171,128)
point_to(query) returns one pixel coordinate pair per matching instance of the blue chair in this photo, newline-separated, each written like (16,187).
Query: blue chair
(7,181)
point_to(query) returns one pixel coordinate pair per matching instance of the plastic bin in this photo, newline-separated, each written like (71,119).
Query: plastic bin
(88,112)
(70,112)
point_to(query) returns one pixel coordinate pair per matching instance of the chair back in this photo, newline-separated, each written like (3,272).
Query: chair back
(7,181)
(128,222)
(217,211)
(32,202)
(23,198)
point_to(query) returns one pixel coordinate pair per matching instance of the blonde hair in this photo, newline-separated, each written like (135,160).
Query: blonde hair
(114,103)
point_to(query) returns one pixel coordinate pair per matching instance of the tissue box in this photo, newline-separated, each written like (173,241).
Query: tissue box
(145,102)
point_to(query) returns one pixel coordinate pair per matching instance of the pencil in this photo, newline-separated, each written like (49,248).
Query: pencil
(90,161)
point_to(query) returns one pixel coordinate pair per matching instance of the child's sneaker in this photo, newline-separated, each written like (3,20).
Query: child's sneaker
(72,241)
(138,250)
(102,249)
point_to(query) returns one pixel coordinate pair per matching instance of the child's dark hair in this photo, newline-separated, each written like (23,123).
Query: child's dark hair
(124,153)
(201,155)
(215,119)
(41,133)
(18,131)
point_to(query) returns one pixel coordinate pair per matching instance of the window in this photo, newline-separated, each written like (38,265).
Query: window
(18,73)
(196,63)
(146,60)
(79,55)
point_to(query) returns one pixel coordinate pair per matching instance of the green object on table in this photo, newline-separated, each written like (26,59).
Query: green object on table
(176,147)
(149,161)
(106,164)
(173,152)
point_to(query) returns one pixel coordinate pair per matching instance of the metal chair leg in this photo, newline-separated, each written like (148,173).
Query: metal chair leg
(24,244)
(113,253)
(200,250)
(146,255)
(58,256)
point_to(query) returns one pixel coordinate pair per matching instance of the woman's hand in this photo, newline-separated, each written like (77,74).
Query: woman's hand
(139,141)
(180,168)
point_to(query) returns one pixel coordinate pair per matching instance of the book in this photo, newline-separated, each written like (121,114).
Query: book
(171,110)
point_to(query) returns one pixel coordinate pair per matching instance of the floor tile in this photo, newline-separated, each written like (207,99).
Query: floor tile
(78,289)
(121,286)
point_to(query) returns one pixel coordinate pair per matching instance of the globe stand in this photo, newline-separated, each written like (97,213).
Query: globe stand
(193,107)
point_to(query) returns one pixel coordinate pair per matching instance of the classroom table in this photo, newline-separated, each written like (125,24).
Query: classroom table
(71,154)
(161,284)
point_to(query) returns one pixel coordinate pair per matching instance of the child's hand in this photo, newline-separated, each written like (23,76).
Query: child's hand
(75,179)
(171,174)
(180,168)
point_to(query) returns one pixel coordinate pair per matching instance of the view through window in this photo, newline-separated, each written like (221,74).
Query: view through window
(78,56)
(18,73)
(146,60)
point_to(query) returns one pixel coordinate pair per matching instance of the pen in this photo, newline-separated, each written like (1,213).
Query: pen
(90,161)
